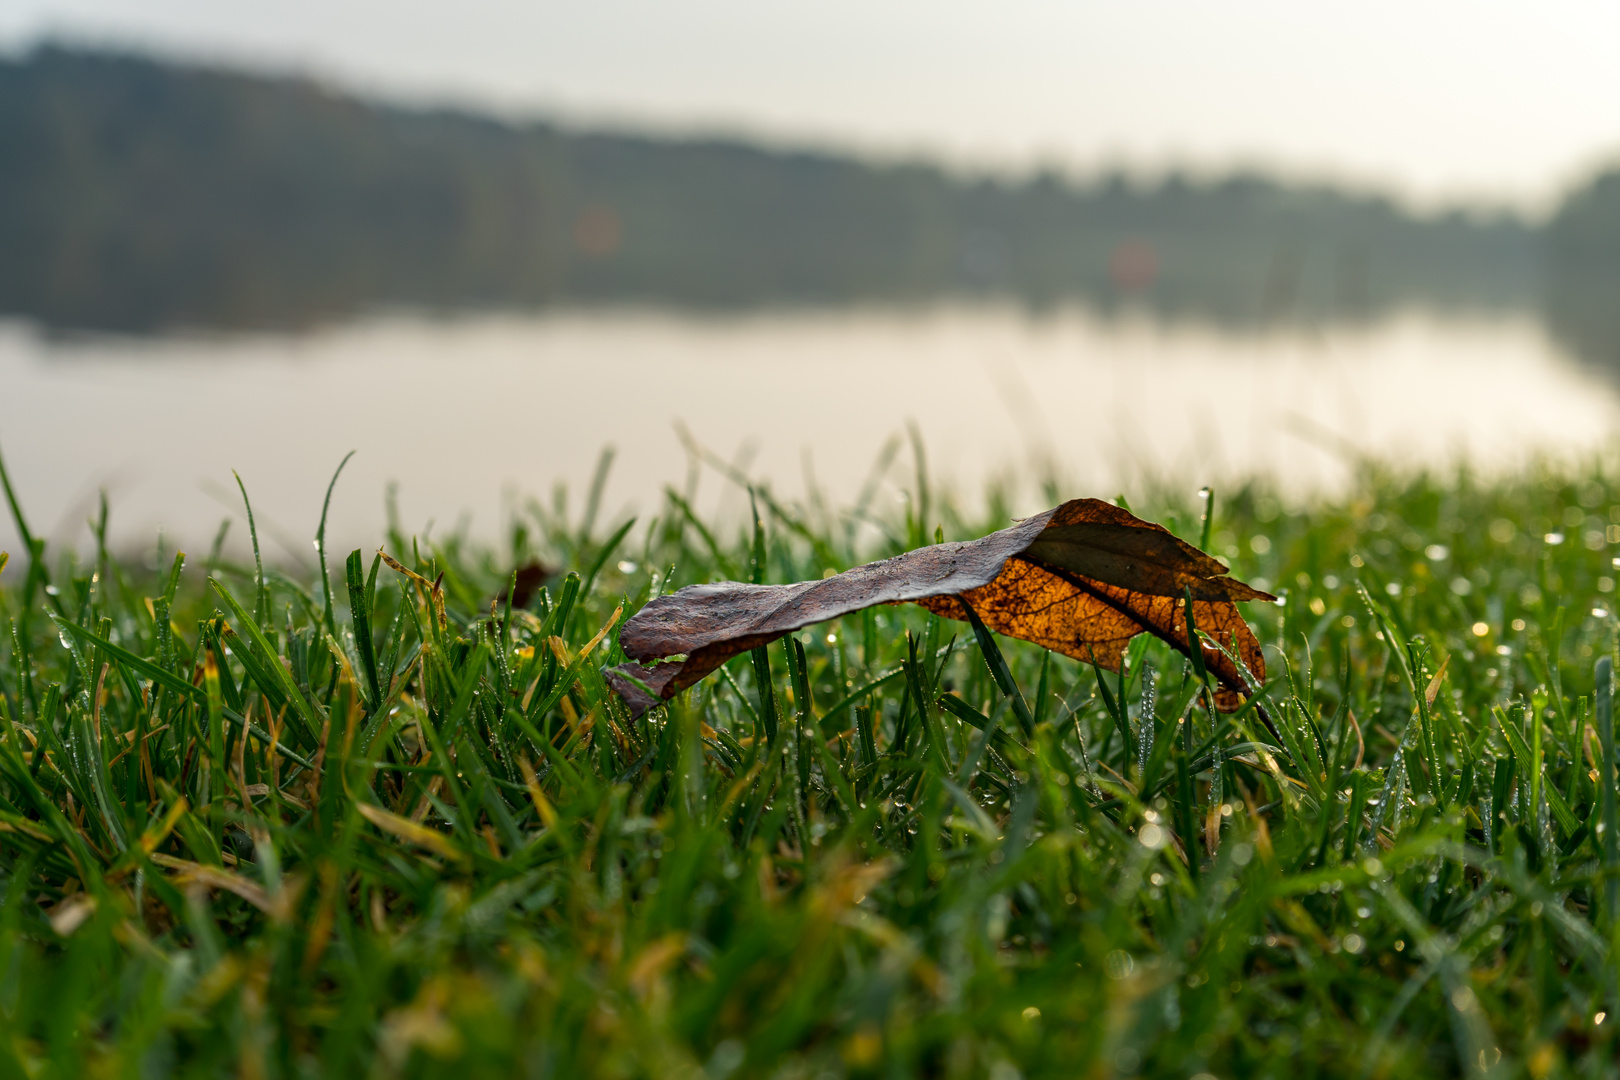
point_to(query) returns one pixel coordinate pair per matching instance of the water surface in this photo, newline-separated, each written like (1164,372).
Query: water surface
(472,414)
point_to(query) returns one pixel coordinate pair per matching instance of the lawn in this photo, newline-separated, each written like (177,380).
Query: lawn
(385,818)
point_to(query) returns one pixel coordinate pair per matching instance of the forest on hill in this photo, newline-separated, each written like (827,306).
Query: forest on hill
(139,195)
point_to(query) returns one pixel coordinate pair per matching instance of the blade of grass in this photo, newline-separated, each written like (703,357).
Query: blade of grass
(360,594)
(320,546)
(999,670)
(302,709)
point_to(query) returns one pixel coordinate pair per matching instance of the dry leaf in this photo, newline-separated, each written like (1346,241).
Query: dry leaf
(1082,580)
(527,578)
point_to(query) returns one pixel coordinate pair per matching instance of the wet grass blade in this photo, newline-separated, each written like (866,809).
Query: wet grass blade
(261,593)
(360,594)
(320,546)
(1603,678)
(153,673)
(275,673)
(999,671)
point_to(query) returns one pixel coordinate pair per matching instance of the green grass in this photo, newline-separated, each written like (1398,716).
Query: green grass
(442,848)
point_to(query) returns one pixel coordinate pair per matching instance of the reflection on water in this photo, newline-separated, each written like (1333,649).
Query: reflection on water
(468,414)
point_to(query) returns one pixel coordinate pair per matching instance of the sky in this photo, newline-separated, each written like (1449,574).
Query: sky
(1436,102)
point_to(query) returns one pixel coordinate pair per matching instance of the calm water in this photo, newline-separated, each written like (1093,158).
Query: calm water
(470,415)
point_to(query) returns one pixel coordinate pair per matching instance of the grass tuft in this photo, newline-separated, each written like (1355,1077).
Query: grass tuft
(246,831)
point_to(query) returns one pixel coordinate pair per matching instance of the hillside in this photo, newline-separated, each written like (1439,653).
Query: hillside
(137,195)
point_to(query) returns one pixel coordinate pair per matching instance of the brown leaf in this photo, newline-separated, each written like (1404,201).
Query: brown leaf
(1082,580)
(527,580)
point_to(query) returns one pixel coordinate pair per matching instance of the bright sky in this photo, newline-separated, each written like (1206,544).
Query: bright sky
(1437,100)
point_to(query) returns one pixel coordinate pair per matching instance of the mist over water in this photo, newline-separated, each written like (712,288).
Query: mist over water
(472,415)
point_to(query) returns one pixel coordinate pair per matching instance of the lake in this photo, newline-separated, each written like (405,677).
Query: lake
(472,414)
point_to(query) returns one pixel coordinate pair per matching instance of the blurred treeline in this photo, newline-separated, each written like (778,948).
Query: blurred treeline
(138,195)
